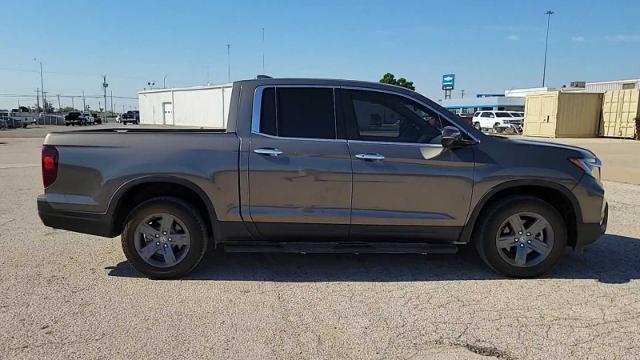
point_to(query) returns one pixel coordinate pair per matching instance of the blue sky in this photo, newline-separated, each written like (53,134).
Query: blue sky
(489,45)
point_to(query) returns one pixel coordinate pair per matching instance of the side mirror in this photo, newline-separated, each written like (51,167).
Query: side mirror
(451,137)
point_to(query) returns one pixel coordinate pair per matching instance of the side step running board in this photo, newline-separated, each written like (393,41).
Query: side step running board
(346,248)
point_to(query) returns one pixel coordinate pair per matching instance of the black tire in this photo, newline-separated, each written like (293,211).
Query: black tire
(490,222)
(179,209)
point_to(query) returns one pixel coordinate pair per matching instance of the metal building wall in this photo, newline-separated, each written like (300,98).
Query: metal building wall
(206,106)
(611,85)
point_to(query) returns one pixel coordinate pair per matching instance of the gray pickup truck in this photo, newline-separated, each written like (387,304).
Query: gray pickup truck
(327,166)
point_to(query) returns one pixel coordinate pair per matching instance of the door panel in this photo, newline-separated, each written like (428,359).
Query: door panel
(405,184)
(308,184)
(415,186)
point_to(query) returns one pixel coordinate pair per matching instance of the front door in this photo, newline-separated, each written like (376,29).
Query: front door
(299,172)
(406,186)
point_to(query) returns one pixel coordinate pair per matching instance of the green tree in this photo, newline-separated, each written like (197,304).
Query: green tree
(389,78)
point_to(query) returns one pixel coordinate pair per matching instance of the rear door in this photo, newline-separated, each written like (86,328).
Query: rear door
(405,184)
(299,172)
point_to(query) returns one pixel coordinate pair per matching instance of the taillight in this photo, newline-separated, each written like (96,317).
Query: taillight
(49,165)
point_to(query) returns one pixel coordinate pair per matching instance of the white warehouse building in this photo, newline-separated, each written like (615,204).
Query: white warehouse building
(199,106)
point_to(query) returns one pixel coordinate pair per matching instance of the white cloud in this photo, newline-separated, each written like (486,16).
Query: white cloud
(513,37)
(577,38)
(623,37)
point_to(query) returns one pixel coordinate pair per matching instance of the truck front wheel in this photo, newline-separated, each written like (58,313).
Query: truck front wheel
(521,236)
(164,238)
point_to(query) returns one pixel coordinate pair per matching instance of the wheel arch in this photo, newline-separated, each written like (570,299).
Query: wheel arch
(556,195)
(136,191)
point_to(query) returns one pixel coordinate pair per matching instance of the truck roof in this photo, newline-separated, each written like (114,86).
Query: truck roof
(322,82)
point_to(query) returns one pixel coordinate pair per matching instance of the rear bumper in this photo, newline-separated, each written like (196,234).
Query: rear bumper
(86,223)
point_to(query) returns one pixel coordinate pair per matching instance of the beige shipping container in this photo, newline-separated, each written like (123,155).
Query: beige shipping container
(562,114)
(620,109)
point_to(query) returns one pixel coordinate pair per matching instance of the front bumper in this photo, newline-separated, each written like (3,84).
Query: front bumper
(589,233)
(82,222)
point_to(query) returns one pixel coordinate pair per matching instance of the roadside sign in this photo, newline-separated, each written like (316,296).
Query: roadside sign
(448,81)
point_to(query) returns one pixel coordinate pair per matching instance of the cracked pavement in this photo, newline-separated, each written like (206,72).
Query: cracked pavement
(66,295)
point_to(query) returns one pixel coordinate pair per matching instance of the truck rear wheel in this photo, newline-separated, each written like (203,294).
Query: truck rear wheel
(164,238)
(522,236)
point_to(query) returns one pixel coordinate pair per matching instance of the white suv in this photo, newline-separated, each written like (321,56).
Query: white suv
(88,118)
(496,120)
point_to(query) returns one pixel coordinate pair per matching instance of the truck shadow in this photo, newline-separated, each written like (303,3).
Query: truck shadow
(613,260)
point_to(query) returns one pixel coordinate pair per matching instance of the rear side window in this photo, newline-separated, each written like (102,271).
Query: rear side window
(298,112)
(268,123)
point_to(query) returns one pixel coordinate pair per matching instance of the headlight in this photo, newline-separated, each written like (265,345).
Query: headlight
(591,166)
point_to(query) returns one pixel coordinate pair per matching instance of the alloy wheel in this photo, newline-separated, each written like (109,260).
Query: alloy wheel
(525,239)
(162,240)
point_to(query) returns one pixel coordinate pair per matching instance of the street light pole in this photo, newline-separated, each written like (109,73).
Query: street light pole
(546,45)
(164,81)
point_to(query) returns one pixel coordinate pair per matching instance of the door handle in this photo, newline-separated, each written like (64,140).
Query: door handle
(268,151)
(370,157)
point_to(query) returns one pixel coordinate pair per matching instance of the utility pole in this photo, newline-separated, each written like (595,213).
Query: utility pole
(59,107)
(263,51)
(104,87)
(38,100)
(84,102)
(229,62)
(164,81)
(111,103)
(73,103)
(462,94)
(546,45)
(41,84)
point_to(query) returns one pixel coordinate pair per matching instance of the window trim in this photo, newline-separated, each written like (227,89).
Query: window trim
(257,108)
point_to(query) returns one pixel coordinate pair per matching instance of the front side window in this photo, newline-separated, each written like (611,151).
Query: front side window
(298,112)
(376,116)
(503,114)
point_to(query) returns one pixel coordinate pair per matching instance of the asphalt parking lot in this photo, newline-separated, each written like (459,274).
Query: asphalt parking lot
(67,295)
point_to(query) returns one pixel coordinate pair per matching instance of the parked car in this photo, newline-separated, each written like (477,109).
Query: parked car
(496,120)
(22,117)
(467,118)
(130,117)
(88,118)
(4,116)
(96,118)
(327,166)
(8,121)
(75,118)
